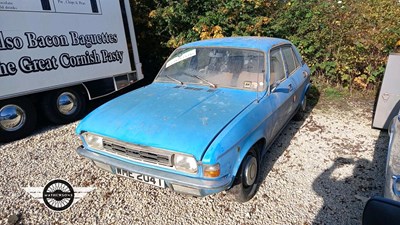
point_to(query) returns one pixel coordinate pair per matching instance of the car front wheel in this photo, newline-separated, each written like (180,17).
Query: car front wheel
(247,178)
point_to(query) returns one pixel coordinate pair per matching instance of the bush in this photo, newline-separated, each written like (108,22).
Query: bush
(347,41)
(185,21)
(344,41)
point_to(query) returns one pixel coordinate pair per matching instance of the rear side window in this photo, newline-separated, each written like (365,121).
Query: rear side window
(290,59)
(298,56)
(277,70)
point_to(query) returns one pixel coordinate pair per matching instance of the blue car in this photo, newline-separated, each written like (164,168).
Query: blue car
(205,123)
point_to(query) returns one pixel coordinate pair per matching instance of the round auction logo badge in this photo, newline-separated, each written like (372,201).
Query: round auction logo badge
(58,195)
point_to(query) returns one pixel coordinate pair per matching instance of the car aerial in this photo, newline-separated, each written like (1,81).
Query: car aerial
(392,184)
(204,124)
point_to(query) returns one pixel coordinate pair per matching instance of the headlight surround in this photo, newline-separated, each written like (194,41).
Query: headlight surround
(93,141)
(185,163)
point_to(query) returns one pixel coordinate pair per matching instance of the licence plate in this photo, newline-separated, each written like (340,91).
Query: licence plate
(140,177)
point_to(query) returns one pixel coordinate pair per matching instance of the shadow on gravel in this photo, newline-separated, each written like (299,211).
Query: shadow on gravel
(344,199)
(282,142)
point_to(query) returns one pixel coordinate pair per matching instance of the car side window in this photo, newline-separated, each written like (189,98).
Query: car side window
(297,55)
(289,59)
(277,70)
(297,61)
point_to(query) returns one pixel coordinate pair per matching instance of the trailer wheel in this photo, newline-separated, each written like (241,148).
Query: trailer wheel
(17,119)
(64,105)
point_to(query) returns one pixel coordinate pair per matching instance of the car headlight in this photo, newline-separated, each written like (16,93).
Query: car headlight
(93,141)
(185,163)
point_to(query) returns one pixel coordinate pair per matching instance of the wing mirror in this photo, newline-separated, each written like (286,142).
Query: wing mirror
(275,87)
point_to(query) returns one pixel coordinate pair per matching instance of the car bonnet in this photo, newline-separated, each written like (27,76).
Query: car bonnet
(162,115)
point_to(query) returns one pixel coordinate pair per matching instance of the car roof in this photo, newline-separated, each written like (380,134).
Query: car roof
(259,43)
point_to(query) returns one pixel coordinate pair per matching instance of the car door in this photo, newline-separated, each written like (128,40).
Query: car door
(281,89)
(292,74)
(297,72)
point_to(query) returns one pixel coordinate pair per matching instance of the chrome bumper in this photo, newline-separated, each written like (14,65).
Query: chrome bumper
(188,184)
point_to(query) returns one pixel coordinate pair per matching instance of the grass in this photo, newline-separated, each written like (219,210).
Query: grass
(326,93)
(334,93)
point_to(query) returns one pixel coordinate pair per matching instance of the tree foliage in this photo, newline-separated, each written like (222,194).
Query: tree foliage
(345,41)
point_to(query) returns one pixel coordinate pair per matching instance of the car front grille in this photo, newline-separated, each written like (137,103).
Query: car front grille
(139,153)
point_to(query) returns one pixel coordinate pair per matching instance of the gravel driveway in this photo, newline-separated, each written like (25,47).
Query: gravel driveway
(319,171)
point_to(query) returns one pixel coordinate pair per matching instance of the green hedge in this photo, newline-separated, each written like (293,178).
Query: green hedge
(345,41)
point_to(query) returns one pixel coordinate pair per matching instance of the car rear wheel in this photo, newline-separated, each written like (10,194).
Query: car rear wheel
(17,119)
(301,111)
(64,105)
(247,178)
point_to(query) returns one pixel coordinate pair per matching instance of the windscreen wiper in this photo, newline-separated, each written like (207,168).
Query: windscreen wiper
(176,80)
(208,82)
(202,79)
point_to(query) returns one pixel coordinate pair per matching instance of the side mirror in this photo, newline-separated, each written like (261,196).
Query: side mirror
(274,86)
(381,211)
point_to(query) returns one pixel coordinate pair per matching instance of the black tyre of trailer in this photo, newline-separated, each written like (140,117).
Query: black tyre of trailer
(18,119)
(64,105)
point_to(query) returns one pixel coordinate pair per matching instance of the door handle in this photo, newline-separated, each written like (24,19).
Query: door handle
(290,87)
(305,74)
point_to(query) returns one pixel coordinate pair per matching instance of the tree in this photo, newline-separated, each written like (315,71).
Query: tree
(344,41)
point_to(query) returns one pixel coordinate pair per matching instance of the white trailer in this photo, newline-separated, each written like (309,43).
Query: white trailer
(388,102)
(57,54)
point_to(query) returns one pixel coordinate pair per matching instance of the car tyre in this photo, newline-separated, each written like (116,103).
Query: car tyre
(299,116)
(64,105)
(247,178)
(18,119)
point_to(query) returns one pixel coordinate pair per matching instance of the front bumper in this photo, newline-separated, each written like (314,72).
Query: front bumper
(187,185)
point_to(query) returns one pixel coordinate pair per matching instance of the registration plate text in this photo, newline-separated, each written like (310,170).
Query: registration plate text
(140,177)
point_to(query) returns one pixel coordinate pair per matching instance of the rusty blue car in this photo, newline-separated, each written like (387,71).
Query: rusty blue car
(204,124)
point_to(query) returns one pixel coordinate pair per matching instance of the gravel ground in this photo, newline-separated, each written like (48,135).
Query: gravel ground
(319,171)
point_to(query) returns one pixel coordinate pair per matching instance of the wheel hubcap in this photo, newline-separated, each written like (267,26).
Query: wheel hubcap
(12,117)
(67,103)
(250,171)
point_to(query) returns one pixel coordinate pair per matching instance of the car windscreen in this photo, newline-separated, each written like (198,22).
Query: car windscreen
(216,67)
